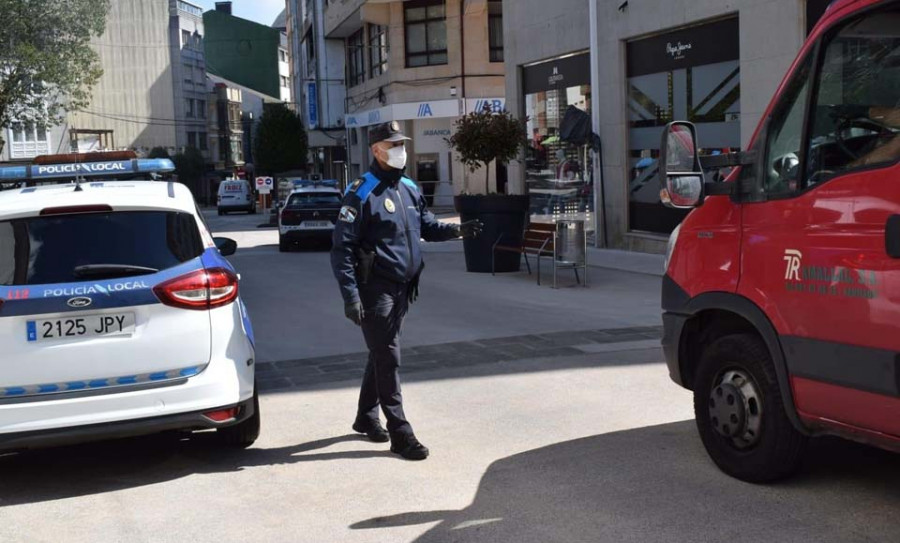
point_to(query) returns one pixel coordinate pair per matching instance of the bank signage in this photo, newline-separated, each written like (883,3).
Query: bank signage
(559,73)
(477,105)
(436,109)
(695,46)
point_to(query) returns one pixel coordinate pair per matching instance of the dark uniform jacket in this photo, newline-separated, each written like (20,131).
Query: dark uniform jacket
(385,213)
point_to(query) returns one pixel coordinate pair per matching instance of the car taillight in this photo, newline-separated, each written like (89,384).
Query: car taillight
(199,290)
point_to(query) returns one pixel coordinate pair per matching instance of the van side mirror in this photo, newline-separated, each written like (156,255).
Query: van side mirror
(226,246)
(681,177)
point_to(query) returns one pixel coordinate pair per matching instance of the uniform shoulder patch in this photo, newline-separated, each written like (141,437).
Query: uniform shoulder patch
(410,183)
(355,186)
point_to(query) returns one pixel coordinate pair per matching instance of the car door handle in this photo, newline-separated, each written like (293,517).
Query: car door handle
(892,236)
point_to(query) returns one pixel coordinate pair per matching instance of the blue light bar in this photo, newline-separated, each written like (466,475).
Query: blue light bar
(313,183)
(86,169)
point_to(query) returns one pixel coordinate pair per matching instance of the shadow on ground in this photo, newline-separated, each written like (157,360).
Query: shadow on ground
(97,468)
(656,484)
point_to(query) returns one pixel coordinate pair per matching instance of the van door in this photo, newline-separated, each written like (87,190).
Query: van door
(814,251)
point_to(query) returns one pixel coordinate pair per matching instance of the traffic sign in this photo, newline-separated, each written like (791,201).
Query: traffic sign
(264,184)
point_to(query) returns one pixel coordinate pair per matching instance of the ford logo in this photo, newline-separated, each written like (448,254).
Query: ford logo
(79,302)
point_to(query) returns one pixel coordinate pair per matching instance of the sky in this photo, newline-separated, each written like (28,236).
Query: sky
(260,11)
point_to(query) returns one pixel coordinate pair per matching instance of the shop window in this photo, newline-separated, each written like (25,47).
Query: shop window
(378,49)
(693,75)
(495,30)
(558,166)
(356,65)
(425,29)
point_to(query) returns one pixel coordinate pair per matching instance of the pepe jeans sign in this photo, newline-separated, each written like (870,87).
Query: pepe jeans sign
(677,50)
(700,45)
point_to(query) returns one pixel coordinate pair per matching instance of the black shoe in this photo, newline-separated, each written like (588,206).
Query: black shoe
(373,430)
(409,447)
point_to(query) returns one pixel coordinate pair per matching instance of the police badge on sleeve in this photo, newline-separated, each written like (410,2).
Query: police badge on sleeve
(348,214)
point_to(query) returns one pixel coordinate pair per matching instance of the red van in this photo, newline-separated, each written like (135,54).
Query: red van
(782,288)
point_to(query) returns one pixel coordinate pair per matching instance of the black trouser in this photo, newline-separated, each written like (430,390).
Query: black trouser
(385,304)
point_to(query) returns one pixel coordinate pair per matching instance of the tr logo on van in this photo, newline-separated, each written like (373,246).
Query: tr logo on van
(793,258)
(79,302)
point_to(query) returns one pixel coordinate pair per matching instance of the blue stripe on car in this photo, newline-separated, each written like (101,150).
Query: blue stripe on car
(111,383)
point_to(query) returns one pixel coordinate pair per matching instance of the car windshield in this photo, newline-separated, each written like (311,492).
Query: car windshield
(314,198)
(59,249)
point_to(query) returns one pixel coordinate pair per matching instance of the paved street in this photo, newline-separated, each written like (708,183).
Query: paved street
(549,413)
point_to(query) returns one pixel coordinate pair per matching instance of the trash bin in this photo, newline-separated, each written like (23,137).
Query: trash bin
(570,248)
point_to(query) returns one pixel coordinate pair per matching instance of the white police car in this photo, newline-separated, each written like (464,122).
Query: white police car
(119,316)
(309,213)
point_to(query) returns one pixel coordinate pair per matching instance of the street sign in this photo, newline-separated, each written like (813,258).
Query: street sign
(264,184)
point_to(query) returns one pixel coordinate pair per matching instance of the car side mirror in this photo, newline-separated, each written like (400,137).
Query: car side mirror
(681,177)
(226,246)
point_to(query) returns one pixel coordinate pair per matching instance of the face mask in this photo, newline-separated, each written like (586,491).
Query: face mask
(396,157)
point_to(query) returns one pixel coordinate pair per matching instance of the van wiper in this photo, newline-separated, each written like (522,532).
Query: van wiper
(108,271)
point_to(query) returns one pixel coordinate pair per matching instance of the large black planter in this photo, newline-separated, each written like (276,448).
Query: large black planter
(501,214)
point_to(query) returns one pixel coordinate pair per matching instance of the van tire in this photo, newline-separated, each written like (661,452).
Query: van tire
(775,449)
(283,245)
(242,434)
(221,212)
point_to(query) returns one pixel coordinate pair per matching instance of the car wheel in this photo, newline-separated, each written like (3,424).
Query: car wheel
(221,212)
(283,245)
(740,413)
(244,433)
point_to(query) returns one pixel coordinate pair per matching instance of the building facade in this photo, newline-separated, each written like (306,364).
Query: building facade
(248,53)
(422,63)
(642,63)
(317,80)
(133,104)
(189,80)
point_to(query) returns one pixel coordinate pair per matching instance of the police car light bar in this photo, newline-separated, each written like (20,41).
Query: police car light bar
(316,183)
(86,169)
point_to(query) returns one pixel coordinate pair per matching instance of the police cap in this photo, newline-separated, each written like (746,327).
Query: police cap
(386,132)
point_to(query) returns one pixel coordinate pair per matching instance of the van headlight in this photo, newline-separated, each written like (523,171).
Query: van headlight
(670,248)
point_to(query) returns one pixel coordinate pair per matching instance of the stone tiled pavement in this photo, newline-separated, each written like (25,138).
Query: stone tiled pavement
(308,372)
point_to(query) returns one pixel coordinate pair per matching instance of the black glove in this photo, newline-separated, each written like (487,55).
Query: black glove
(354,312)
(470,229)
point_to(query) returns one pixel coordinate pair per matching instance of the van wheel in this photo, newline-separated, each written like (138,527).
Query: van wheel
(221,212)
(283,245)
(740,414)
(243,434)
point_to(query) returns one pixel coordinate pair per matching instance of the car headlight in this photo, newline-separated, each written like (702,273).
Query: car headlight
(670,248)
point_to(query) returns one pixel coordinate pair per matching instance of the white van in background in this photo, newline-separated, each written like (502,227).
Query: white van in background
(236,195)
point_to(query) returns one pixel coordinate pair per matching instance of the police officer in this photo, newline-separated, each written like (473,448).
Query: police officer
(377,261)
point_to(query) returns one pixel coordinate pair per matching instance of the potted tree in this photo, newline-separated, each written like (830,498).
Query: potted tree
(480,139)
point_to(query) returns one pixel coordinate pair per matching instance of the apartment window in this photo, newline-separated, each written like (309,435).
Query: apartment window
(378,49)
(201,109)
(189,108)
(495,30)
(310,52)
(356,60)
(282,55)
(187,41)
(188,74)
(192,139)
(204,141)
(285,82)
(28,141)
(425,26)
